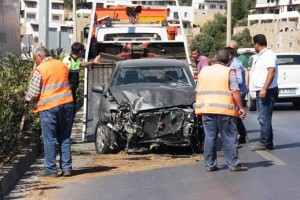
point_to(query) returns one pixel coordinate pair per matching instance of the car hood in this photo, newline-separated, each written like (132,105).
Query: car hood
(153,97)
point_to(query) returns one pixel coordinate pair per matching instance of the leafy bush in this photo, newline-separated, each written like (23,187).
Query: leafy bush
(19,127)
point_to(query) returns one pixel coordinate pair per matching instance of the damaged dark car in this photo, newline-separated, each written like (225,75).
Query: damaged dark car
(147,103)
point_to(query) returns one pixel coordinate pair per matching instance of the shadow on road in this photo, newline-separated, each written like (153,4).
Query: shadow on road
(287,146)
(88,170)
(266,163)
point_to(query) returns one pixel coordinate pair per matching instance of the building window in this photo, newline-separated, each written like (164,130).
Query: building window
(53,29)
(221,7)
(55,6)
(64,29)
(35,28)
(176,15)
(55,17)
(291,44)
(161,3)
(185,14)
(31,5)
(30,16)
(212,6)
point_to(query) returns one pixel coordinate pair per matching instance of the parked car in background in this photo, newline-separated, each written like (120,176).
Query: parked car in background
(288,80)
(147,102)
(248,52)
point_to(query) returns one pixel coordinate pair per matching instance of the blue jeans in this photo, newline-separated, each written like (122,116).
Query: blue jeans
(214,124)
(264,116)
(56,127)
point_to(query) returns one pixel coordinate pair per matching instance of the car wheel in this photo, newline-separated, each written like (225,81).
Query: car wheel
(197,141)
(251,104)
(103,139)
(296,104)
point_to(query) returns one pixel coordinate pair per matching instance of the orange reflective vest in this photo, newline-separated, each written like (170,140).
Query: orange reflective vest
(213,94)
(55,89)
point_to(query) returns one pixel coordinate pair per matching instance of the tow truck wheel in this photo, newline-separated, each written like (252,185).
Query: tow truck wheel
(103,135)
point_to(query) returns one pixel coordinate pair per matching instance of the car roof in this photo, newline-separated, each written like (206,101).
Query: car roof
(151,62)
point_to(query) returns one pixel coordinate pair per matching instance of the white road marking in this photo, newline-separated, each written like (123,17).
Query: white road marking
(270,157)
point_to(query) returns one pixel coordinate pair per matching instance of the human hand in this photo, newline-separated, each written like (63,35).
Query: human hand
(97,59)
(242,113)
(262,94)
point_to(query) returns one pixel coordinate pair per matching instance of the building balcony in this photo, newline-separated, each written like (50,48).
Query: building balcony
(57,12)
(260,17)
(57,1)
(83,13)
(291,14)
(271,16)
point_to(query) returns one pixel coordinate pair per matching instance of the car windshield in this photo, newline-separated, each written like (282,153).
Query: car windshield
(170,75)
(288,59)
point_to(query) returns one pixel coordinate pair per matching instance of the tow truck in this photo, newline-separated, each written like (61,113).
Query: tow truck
(120,33)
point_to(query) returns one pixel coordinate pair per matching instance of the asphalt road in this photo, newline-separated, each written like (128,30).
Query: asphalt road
(271,174)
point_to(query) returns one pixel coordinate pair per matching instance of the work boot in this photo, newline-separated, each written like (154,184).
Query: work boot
(238,168)
(46,174)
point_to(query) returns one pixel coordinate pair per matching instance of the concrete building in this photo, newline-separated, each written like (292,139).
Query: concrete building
(279,21)
(58,20)
(209,4)
(275,10)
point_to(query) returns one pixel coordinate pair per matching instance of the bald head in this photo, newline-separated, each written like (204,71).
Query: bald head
(233,44)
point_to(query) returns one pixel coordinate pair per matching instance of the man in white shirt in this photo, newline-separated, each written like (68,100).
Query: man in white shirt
(264,81)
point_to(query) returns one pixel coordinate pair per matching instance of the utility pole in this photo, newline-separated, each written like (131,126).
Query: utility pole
(44,23)
(228,21)
(74,22)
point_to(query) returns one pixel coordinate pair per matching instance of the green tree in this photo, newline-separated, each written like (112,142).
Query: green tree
(244,39)
(185,2)
(204,42)
(239,10)
(69,3)
(216,29)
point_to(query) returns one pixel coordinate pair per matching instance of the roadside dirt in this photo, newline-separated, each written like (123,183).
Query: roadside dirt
(88,165)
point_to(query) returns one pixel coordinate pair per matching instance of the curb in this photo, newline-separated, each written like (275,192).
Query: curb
(14,170)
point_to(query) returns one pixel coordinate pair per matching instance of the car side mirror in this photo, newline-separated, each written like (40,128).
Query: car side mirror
(98,88)
(86,32)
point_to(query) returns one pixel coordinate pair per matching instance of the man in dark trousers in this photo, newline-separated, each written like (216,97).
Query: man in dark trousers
(234,62)
(218,101)
(263,81)
(74,63)
(50,91)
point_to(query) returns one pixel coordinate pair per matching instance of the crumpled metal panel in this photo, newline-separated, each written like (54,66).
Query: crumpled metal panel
(143,97)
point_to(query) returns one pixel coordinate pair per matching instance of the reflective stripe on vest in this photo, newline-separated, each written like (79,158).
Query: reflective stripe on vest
(214,92)
(50,87)
(53,98)
(217,105)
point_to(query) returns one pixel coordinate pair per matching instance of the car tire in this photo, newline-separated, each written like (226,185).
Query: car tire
(103,139)
(197,140)
(296,104)
(251,104)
